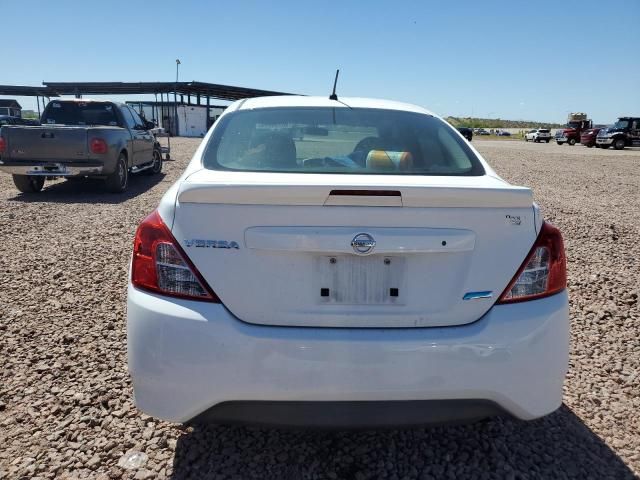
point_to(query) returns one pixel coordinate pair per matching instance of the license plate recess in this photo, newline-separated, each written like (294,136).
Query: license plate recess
(360,280)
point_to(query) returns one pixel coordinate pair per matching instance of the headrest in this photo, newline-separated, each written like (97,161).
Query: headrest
(388,160)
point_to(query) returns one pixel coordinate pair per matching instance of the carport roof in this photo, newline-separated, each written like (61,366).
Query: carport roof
(212,90)
(26,91)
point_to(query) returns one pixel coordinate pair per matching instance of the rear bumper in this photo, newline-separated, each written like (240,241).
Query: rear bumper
(193,359)
(52,168)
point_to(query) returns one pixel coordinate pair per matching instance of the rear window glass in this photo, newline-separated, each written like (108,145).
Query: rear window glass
(338,140)
(79,113)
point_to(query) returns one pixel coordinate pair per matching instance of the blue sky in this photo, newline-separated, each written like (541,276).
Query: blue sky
(532,60)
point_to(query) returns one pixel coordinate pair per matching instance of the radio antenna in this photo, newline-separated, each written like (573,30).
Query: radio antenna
(333,96)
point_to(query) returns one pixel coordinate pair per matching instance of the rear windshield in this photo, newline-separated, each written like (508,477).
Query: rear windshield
(339,140)
(79,113)
(543,130)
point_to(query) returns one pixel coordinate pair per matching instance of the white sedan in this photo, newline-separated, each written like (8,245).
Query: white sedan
(345,263)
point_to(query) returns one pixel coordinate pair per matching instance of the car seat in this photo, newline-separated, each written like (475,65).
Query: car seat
(279,151)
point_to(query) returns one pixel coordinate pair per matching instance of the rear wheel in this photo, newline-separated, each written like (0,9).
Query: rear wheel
(157,164)
(618,143)
(28,183)
(589,146)
(118,181)
(572,141)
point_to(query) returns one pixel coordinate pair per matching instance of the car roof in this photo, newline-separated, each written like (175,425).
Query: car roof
(343,102)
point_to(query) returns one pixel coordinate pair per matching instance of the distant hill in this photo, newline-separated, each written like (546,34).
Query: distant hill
(472,122)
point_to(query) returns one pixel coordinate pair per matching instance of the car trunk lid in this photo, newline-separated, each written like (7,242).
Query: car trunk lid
(354,250)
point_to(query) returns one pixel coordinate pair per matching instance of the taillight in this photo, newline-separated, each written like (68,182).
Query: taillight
(544,271)
(3,144)
(98,145)
(161,266)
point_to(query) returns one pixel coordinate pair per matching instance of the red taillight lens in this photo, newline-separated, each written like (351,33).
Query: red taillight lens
(3,144)
(161,266)
(544,271)
(98,145)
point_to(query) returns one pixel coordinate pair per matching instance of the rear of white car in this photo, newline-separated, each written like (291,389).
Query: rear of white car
(538,135)
(352,263)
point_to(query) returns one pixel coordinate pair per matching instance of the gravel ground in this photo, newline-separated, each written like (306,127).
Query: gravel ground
(65,397)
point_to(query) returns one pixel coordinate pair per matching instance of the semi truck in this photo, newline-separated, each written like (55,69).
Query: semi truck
(576,124)
(624,133)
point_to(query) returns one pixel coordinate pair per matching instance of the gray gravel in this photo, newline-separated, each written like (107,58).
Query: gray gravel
(65,397)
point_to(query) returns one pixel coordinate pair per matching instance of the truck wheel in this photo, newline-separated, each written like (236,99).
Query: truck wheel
(28,183)
(118,181)
(618,143)
(157,164)
(572,141)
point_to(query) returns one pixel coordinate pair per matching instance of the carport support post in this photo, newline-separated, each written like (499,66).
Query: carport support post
(154,109)
(208,118)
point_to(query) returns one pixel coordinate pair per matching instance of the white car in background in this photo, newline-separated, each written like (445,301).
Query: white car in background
(345,263)
(538,135)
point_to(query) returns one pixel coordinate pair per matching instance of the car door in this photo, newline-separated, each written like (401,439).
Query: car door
(143,139)
(130,124)
(634,133)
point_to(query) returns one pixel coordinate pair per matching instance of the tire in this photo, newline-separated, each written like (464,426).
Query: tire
(571,141)
(589,146)
(618,143)
(559,143)
(604,146)
(118,181)
(547,141)
(28,183)
(157,164)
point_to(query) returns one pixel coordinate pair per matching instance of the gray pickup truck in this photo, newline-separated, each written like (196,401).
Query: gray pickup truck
(80,138)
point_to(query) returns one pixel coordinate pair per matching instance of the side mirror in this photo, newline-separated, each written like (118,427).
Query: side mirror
(149,125)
